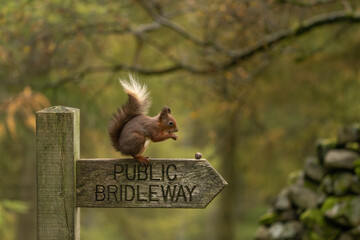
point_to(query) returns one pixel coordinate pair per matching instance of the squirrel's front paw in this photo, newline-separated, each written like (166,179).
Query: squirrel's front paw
(174,136)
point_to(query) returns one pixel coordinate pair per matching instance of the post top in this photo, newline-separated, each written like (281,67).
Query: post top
(58,109)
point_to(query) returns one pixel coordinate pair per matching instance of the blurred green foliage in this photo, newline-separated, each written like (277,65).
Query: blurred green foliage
(255,121)
(8,211)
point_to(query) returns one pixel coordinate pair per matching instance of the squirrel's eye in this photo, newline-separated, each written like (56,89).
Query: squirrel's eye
(171,123)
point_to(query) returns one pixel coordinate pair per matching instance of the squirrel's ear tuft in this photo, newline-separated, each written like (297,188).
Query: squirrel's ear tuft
(164,112)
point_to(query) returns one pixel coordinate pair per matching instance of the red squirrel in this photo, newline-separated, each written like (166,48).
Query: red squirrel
(130,129)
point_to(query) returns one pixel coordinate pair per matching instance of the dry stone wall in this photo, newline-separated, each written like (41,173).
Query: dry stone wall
(322,201)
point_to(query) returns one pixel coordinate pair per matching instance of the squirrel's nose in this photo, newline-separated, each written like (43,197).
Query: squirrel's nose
(176,130)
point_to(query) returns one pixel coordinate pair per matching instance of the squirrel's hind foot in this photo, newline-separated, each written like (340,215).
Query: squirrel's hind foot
(145,161)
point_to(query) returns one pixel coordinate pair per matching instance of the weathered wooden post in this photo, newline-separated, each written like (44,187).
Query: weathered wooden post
(57,149)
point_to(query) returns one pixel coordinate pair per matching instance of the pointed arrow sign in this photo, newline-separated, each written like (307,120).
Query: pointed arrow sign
(166,183)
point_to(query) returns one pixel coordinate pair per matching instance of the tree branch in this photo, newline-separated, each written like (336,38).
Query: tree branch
(167,23)
(98,28)
(179,29)
(339,32)
(236,57)
(104,69)
(302,28)
(303,3)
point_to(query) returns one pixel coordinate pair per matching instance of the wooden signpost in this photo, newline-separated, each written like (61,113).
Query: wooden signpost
(173,183)
(65,183)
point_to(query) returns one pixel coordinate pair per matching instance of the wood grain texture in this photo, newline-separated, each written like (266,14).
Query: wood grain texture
(57,148)
(167,183)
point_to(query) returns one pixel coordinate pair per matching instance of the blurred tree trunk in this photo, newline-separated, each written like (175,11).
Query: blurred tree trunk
(227,150)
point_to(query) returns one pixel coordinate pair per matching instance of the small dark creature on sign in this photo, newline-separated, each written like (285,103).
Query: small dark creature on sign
(130,129)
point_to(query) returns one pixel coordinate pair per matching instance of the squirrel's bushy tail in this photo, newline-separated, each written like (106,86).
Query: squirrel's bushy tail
(138,103)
